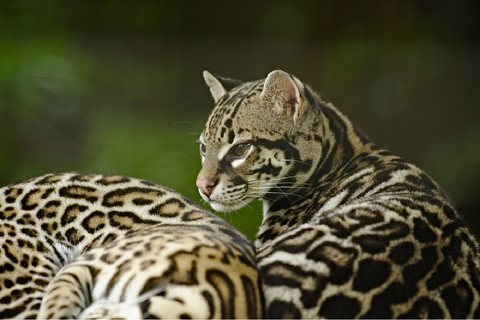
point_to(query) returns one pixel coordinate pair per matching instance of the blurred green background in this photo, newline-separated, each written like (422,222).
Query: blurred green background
(115,87)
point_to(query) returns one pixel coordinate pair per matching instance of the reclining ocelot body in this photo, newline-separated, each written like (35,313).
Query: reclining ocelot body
(93,246)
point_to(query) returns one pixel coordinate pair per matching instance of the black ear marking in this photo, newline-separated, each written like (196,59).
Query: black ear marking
(228,83)
(219,86)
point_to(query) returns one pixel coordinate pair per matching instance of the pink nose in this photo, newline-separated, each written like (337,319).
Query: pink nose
(206,186)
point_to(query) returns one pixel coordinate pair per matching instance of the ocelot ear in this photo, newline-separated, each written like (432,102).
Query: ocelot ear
(285,92)
(219,86)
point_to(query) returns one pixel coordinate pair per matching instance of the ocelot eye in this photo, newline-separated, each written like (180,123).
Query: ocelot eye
(203,149)
(240,149)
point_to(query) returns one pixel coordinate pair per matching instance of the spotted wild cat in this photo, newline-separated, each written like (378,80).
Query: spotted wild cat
(93,246)
(349,229)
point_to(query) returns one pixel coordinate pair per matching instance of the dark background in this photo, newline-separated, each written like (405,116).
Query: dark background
(116,87)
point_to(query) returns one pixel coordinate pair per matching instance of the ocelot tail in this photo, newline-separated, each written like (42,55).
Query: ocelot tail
(91,246)
(349,229)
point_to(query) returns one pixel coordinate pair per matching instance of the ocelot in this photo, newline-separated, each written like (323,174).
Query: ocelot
(349,230)
(92,246)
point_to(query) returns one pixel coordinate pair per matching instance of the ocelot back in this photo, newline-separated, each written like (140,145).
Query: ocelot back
(349,229)
(92,246)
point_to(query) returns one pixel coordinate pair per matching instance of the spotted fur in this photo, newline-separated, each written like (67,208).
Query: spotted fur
(349,229)
(77,245)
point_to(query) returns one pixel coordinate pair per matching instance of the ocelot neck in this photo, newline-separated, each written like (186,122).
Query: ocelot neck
(349,166)
(339,144)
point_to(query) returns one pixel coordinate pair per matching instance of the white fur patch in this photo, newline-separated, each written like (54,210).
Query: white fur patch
(222,152)
(237,162)
(332,203)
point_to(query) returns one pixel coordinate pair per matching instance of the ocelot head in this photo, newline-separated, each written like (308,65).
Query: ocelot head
(262,140)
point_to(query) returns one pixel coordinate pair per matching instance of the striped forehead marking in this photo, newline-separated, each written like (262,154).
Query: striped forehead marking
(220,124)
